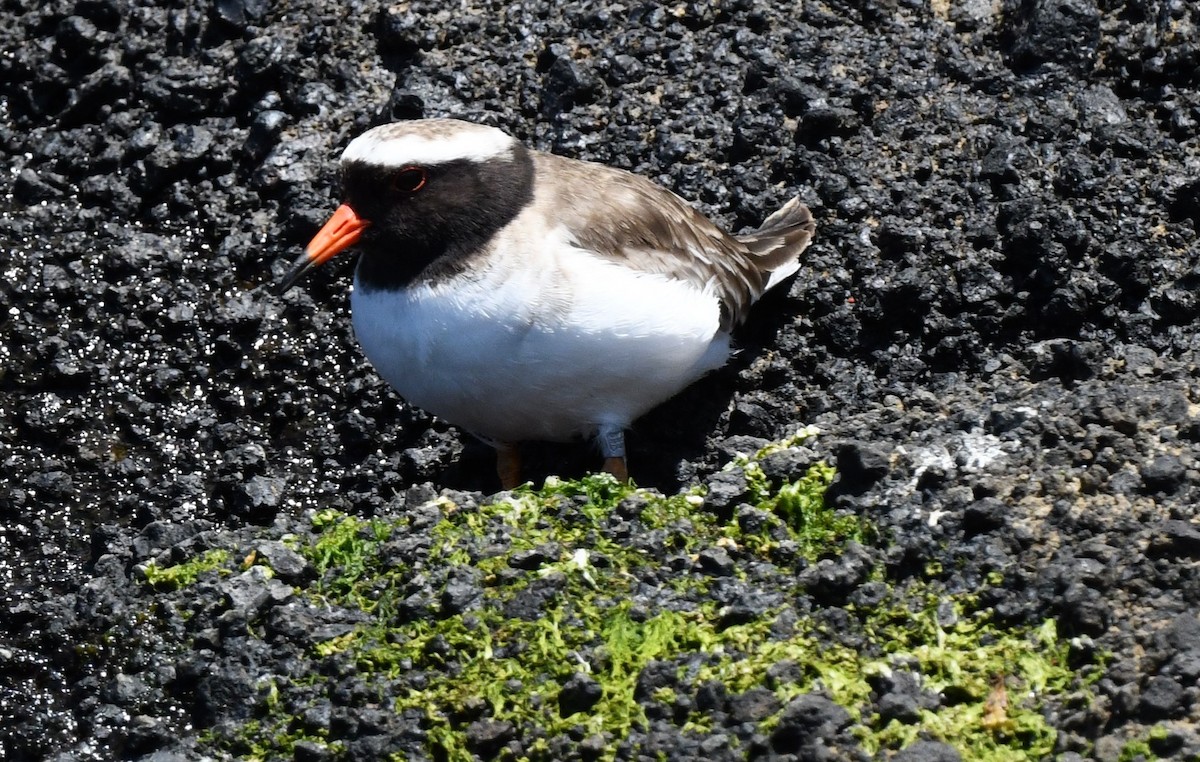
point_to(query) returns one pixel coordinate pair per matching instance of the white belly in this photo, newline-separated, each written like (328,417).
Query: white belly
(546,353)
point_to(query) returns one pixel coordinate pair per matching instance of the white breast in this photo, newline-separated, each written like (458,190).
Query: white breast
(544,342)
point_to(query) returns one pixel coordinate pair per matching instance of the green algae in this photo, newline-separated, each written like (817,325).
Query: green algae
(604,607)
(186,573)
(1141,748)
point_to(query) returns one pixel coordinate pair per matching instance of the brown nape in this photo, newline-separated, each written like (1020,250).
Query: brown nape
(508,465)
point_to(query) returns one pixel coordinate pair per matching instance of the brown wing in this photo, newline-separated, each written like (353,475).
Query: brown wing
(629,219)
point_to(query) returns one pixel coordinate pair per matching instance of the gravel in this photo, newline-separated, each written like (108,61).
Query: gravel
(997,332)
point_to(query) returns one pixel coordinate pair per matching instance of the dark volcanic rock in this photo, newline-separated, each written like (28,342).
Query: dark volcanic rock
(996,330)
(578,694)
(486,737)
(754,705)
(928,751)
(807,721)
(1055,31)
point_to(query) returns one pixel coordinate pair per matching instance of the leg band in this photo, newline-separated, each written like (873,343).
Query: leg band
(612,442)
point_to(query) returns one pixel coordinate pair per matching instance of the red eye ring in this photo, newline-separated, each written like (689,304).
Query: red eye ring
(409,180)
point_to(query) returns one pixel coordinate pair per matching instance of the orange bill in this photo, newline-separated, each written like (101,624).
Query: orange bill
(339,233)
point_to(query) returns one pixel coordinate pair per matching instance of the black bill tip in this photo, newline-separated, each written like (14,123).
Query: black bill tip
(301,266)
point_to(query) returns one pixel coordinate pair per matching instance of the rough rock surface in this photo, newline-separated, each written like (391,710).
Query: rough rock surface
(997,328)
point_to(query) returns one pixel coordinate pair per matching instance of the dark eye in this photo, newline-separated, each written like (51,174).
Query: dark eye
(409,180)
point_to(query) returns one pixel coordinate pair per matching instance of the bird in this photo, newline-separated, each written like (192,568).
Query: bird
(525,296)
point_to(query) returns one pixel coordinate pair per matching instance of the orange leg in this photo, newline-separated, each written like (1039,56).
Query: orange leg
(616,467)
(612,447)
(508,465)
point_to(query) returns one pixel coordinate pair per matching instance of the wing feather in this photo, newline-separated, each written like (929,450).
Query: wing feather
(626,218)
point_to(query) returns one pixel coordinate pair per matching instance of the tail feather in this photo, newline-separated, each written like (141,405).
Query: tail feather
(781,238)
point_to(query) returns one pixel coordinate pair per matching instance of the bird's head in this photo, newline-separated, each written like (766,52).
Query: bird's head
(412,190)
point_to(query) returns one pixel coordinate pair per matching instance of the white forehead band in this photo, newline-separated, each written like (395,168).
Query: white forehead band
(386,147)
